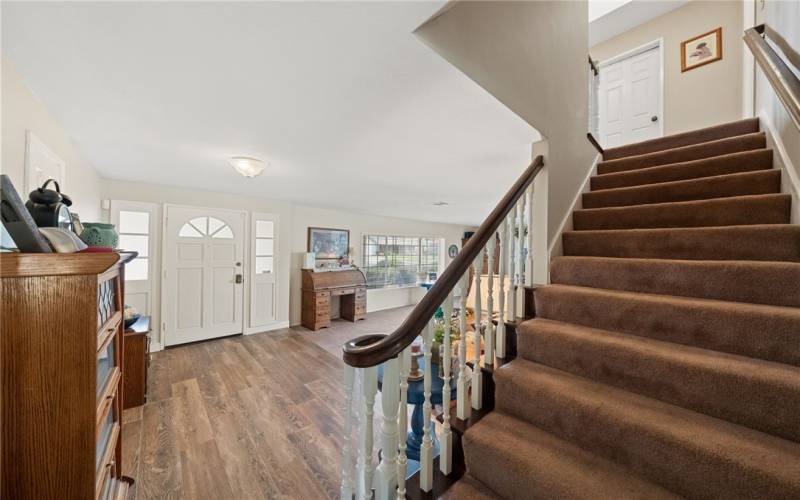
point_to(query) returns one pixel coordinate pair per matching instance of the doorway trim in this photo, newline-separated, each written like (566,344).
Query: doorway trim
(162,276)
(653,44)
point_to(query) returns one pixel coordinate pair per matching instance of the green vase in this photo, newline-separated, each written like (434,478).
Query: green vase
(99,234)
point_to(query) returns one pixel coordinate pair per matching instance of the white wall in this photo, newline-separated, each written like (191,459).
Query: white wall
(705,96)
(293,227)
(532,56)
(22,111)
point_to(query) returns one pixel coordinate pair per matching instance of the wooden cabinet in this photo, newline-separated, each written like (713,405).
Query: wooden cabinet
(62,368)
(136,360)
(318,289)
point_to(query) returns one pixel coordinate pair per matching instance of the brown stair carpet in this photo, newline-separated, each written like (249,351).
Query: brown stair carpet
(742,127)
(664,359)
(775,242)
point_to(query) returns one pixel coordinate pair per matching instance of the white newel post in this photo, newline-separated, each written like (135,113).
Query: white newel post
(477,377)
(426,450)
(386,472)
(347,452)
(489,336)
(501,293)
(512,251)
(463,408)
(365,467)
(446,450)
(402,423)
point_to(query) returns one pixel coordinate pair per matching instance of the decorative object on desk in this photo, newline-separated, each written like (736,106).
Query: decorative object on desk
(452,251)
(131,315)
(18,222)
(49,207)
(701,50)
(309,261)
(63,240)
(99,234)
(326,243)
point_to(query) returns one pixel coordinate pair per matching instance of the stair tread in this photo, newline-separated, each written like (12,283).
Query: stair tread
(743,161)
(695,454)
(731,129)
(544,466)
(751,242)
(755,282)
(759,394)
(718,186)
(746,142)
(737,210)
(469,488)
(756,330)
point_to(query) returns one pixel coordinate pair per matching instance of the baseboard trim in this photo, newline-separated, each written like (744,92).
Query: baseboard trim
(789,177)
(278,325)
(156,346)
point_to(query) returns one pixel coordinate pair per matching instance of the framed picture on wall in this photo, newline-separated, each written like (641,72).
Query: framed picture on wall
(326,243)
(701,50)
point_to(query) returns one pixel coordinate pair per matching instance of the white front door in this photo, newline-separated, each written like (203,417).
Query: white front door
(630,95)
(204,271)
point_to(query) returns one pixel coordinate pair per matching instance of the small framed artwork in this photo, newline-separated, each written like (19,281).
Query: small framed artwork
(326,243)
(701,50)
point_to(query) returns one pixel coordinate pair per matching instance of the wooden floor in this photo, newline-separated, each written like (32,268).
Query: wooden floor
(250,417)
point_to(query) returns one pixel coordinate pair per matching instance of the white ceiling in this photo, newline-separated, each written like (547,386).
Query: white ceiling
(349,108)
(609,18)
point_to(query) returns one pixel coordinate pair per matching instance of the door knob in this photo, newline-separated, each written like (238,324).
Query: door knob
(238,279)
(654,118)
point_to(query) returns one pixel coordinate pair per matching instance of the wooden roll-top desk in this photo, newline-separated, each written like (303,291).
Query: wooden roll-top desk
(319,287)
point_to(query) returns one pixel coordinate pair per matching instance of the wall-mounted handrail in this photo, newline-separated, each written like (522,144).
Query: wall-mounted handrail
(370,350)
(593,66)
(594,142)
(783,80)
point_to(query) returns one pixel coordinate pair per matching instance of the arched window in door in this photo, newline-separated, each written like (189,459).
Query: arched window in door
(201,227)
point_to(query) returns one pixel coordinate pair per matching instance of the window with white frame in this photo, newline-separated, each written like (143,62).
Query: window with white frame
(134,234)
(265,246)
(398,261)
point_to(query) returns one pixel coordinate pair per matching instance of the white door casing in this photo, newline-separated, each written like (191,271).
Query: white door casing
(203,255)
(630,99)
(263,270)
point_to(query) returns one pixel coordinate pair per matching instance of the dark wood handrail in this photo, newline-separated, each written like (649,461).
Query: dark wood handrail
(371,350)
(780,76)
(594,142)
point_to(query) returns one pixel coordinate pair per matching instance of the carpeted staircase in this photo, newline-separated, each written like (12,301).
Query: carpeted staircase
(664,359)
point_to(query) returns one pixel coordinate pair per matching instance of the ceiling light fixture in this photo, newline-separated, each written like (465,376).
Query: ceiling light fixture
(439,203)
(248,167)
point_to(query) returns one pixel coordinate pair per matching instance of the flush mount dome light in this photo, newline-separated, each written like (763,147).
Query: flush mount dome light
(248,167)
(439,203)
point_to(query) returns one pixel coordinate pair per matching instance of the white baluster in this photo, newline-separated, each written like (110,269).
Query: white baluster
(446,452)
(477,376)
(501,295)
(489,335)
(365,467)
(346,491)
(402,423)
(463,408)
(512,260)
(528,276)
(426,450)
(521,250)
(386,472)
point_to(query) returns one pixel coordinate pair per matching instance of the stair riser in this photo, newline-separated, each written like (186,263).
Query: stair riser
(741,127)
(763,209)
(761,332)
(749,183)
(778,243)
(770,283)
(763,396)
(665,456)
(748,161)
(688,153)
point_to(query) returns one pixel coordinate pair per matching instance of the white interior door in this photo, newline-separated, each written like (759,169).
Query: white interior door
(263,270)
(204,257)
(630,98)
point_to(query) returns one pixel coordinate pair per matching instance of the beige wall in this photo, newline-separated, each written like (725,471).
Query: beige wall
(22,111)
(294,221)
(532,57)
(704,96)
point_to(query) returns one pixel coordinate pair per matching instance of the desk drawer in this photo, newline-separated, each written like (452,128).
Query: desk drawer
(343,291)
(322,295)
(322,301)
